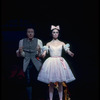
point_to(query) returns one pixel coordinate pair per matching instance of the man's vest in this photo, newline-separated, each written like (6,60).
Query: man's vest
(30,49)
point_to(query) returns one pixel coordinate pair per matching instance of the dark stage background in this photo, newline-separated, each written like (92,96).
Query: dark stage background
(78,20)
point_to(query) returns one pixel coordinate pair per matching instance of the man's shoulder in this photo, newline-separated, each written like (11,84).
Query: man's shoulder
(38,39)
(23,39)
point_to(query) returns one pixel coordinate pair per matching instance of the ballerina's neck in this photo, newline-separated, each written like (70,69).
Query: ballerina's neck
(55,40)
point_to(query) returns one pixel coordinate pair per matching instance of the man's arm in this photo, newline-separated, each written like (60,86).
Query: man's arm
(40,45)
(20,51)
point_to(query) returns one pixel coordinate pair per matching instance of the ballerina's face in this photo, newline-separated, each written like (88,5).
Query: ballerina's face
(55,33)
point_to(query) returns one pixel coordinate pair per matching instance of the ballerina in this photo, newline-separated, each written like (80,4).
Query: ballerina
(55,68)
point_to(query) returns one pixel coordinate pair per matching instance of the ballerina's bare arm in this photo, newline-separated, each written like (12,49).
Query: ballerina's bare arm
(68,50)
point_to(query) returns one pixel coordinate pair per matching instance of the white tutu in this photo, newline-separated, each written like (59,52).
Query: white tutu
(55,69)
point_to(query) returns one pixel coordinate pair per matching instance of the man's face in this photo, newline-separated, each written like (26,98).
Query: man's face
(30,33)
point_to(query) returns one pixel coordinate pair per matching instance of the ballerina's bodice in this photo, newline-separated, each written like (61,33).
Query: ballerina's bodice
(55,51)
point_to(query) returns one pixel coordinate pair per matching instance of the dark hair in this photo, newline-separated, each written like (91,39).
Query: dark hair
(30,28)
(55,29)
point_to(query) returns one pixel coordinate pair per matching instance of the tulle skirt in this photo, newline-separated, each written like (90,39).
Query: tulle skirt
(55,69)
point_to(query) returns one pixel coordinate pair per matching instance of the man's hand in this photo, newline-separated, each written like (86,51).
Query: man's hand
(21,50)
(17,53)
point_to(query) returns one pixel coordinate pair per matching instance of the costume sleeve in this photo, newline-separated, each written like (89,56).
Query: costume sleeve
(21,45)
(40,43)
(67,47)
(45,48)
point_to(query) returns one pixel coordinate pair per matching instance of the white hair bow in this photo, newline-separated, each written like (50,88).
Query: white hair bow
(55,27)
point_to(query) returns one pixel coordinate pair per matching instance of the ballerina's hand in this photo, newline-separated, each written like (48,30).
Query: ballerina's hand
(71,53)
(44,54)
